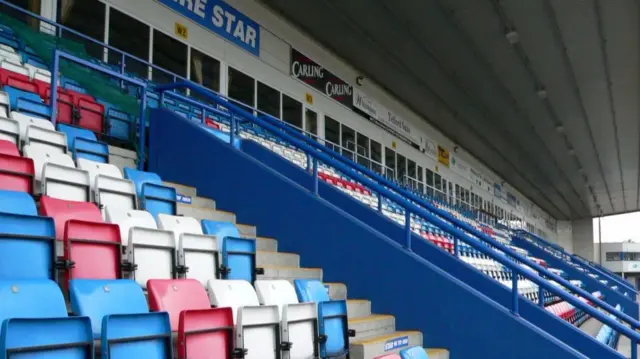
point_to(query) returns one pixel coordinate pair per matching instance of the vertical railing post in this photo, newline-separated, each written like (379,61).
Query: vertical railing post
(123,67)
(407,219)
(315,175)
(232,133)
(55,75)
(514,290)
(634,348)
(541,296)
(456,247)
(204,116)
(143,129)
(309,169)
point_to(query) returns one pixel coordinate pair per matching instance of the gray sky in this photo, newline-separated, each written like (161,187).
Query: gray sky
(618,228)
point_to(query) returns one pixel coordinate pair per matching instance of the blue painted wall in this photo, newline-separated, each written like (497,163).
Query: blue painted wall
(421,295)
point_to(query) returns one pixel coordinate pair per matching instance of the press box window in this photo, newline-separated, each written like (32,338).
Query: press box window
(86,17)
(332,133)
(131,36)
(205,71)
(268,100)
(291,111)
(242,87)
(169,54)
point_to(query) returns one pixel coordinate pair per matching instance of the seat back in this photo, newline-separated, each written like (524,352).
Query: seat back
(220,229)
(109,188)
(258,331)
(389,356)
(34,314)
(84,144)
(231,293)
(128,219)
(414,353)
(239,258)
(27,242)
(9,129)
(16,173)
(175,296)
(60,179)
(9,148)
(153,195)
(311,290)
(153,252)
(62,211)
(206,333)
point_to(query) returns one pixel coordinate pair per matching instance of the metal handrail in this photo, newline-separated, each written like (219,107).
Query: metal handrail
(321,153)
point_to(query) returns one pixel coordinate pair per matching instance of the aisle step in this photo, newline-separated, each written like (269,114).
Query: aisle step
(278,259)
(358,308)
(290,273)
(372,326)
(385,344)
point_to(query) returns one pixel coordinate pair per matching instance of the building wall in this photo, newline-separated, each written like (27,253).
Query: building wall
(272,68)
(582,234)
(565,235)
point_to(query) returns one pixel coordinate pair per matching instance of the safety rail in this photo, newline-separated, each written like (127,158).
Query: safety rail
(441,218)
(583,262)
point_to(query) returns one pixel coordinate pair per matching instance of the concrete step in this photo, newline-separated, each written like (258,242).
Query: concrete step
(372,326)
(201,213)
(182,189)
(277,259)
(247,230)
(337,291)
(203,202)
(385,344)
(266,244)
(122,158)
(437,353)
(358,308)
(291,273)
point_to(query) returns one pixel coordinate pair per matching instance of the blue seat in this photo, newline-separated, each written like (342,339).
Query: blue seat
(9,40)
(120,317)
(155,197)
(34,316)
(27,242)
(84,144)
(120,124)
(15,94)
(414,353)
(238,254)
(332,317)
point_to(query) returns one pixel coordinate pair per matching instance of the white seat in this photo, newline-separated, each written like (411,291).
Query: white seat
(9,130)
(108,186)
(14,66)
(197,251)
(298,321)
(231,293)
(42,75)
(7,48)
(33,70)
(54,141)
(127,220)
(5,104)
(153,252)
(10,56)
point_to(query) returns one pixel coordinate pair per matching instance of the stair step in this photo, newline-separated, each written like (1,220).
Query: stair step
(290,273)
(372,326)
(201,213)
(277,259)
(203,202)
(385,344)
(266,244)
(122,158)
(182,189)
(437,353)
(247,230)
(358,308)
(337,291)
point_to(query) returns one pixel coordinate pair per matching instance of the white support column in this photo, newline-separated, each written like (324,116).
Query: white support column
(49,10)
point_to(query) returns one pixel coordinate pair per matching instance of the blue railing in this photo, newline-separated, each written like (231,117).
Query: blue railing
(425,210)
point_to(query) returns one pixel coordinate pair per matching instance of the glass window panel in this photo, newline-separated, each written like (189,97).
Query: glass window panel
(332,132)
(205,71)
(131,36)
(86,17)
(348,142)
(311,122)
(268,100)
(390,162)
(401,168)
(376,156)
(242,88)
(169,54)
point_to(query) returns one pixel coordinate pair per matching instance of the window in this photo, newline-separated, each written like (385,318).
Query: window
(390,162)
(363,150)
(268,100)
(376,157)
(348,142)
(451,193)
(291,111)
(401,168)
(332,133)
(614,256)
(242,87)
(444,189)
(31,5)
(420,179)
(205,71)
(430,182)
(169,54)
(130,36)
(86,17)
(311,122)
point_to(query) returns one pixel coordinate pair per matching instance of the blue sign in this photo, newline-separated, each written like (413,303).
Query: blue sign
(221,18)
(396,343)
(183,199)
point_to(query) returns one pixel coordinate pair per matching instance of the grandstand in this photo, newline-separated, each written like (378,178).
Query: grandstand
(145,214)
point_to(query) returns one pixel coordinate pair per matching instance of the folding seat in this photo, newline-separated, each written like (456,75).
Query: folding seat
(83,144)
(389,356)
(298,321)
(16,95)
(57,174)
(14,70)
(414,353)
(27,242)
(62,211)
(152,194)
(108,186)
(34,317)
(332,317)
(91,115)
(202,332)
(10,56)
(120,124)
(16,172)
(128,219)
(65,113)
(4,104)
(120,318)
(197,253)
(257,327)
(238,254)
(25,121)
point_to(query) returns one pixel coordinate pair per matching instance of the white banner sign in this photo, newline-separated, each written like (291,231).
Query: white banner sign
(461,167)
(385,117)
(431,149)
(364,103)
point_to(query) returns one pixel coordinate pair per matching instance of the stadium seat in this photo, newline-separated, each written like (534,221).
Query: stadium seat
(16,172)
(332,317)
(33,316)
(197,253)
(65,113)
(120,317)
(14,70)
(298,321)
(238,254)
(25,121)
(9,130)
(83,144)
(202,332)
(257,327)
(414,353)
(36,108)
(108,186)
(127,219)
(91,115)
(152,194)
(57,174)
(120,124)
(62,211)
(4,104)
(389,356)
(27,242)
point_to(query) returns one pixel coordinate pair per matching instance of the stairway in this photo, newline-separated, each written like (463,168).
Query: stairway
(376,334)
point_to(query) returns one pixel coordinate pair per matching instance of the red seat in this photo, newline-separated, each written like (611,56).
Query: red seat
(5,74)
(77,96)
(65,104)
(16,173)
(202,332)
(9,148)
(61,211)
(91,115)
(19,83)
(389,356)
